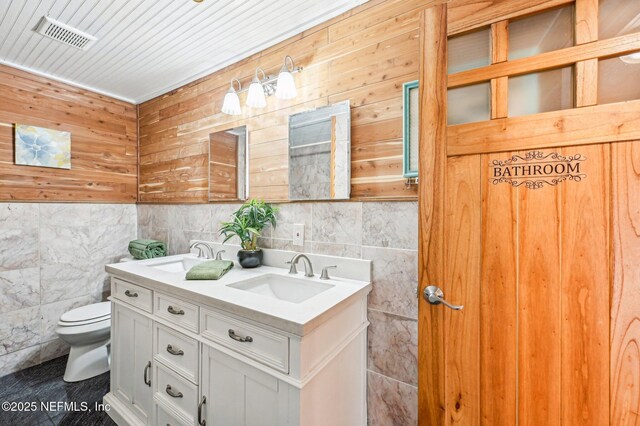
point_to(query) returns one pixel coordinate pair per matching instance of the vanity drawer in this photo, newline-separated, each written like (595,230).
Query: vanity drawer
(265,346)
(176,350)
(132,294)
(177,311)
(175,392)
(164,416)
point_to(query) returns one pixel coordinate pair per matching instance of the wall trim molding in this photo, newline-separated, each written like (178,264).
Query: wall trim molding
(65,81)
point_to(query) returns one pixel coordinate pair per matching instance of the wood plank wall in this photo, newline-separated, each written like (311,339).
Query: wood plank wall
(364,55)
(103,141)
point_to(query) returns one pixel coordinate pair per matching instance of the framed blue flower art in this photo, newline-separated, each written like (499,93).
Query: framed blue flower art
(37,146)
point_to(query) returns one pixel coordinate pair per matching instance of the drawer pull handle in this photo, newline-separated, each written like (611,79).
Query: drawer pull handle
(172,393)
(201,421)
(129,294)
(146,373)
(174,351)
(235,337)
(173,311)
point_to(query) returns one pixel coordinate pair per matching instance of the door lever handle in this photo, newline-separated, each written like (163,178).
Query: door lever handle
(435,296)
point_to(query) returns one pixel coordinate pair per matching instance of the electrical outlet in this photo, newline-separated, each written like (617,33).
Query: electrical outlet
(298,234)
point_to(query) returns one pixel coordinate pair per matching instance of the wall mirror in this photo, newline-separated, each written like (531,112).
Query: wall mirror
(410,128)
(227,165)
(320,153)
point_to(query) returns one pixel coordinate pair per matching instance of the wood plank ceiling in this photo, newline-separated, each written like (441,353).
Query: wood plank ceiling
(147,47)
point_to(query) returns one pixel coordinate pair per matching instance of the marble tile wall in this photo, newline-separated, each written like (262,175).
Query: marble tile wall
(52,259)
(385,232)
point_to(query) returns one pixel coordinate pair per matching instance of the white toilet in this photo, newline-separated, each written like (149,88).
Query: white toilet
(87,330)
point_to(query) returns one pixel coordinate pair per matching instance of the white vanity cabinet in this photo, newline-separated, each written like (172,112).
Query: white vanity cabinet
(238,394)
(131,352)
(181,361)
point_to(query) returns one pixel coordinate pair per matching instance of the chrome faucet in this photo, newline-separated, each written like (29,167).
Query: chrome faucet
(308,267)
(201,253)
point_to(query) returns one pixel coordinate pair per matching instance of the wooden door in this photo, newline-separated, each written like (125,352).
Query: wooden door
(531,222)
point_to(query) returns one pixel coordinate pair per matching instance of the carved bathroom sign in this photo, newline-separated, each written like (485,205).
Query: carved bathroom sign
(536,169)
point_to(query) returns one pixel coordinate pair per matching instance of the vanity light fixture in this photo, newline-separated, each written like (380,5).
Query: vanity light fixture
(283,86)
(231,104)
(256,97)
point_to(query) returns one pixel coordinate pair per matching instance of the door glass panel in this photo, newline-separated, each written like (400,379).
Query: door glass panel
(469,104)
(618,17)
(541,92)
(619,79)
(544,32)
(468,51)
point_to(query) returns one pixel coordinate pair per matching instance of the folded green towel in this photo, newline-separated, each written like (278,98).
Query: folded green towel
(147,249)
(210,270)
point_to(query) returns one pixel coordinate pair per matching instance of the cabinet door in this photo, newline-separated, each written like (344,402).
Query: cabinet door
(241,395)
(131,353)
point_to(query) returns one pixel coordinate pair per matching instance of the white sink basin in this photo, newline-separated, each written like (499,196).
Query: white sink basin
(294,290)
(176,265)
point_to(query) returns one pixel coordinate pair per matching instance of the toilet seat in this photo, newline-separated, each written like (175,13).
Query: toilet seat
(85,315)
(74,331)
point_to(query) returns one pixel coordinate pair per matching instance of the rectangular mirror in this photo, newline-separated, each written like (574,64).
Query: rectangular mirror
(320,153)
(227,165)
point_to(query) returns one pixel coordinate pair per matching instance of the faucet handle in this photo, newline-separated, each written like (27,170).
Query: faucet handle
(325,272)
(292,268)
(219,254)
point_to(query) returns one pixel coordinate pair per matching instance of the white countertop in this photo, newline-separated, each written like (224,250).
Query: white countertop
(296,318)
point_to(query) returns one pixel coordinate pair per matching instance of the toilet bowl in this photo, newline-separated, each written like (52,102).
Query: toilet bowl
(87,330)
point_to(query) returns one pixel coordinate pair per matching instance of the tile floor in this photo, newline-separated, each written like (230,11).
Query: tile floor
(43,384)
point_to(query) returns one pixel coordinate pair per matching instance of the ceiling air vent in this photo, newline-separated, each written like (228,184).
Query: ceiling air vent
(64,33)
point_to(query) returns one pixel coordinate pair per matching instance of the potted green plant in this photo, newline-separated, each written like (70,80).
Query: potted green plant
(247,223)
